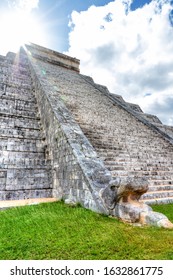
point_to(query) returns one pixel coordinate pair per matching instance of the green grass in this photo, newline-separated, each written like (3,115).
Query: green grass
(57,231)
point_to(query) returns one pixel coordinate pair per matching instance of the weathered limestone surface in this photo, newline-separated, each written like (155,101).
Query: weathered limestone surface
(23,170)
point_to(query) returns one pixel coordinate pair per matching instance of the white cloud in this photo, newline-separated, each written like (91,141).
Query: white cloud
(24,5)
(129,51)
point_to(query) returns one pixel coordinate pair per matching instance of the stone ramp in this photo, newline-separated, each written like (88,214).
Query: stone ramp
(24,170)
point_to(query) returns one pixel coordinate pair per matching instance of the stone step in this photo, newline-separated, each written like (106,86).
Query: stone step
(119,155)
(22,145)
(17,112)
(11,121)
(10,105)
(23,163)
(25,194)
(101,143)
(21,64)
(16,203)
(18,76)
(160,182)
(157,180)
(19,83)
(118,139)
(27,172)
(105,146)
(157,194)
(17,96)
(13,77)
(22,133)
(117,160)
(146,170)
(160,188)
(33,184)
(20,179)
(17,93)
(140,163)
(165,200)
(160,175)
(27,103)
(137,156)
(18,69)
(16,157)
(11,115)
(115,150)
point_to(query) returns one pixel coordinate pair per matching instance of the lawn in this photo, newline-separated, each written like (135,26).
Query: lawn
(57,231)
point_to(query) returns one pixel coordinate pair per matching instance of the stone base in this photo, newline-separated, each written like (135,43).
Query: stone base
(140,213)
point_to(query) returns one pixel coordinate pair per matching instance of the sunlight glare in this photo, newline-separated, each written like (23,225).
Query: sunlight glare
(19,28)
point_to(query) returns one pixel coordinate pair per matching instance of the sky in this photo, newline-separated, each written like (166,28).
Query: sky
(126,45)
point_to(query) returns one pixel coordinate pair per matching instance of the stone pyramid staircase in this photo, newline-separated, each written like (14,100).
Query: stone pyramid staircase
(158,168)
(147,155)
(129,142)
(139,155)
(24,170)
(91,134)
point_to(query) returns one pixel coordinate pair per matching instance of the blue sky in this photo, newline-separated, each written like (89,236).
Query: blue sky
(126,45)
(57,15)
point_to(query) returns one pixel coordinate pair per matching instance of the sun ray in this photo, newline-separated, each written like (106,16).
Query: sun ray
(19,27)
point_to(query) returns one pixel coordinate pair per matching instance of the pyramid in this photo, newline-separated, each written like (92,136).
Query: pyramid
(64,136)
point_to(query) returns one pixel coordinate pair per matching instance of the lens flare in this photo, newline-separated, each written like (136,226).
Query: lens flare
(17,28)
